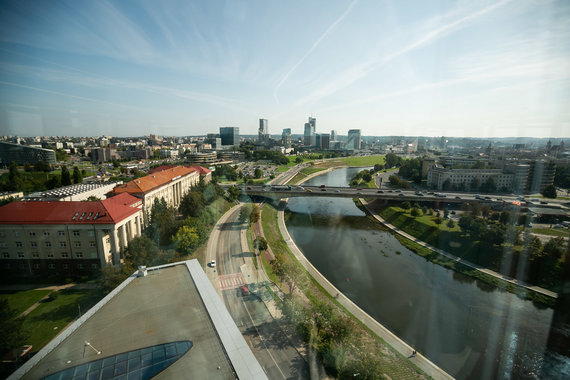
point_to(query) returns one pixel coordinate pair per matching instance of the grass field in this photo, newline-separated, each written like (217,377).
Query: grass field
(551,232)
(20,301)
(362,161)
(49,318)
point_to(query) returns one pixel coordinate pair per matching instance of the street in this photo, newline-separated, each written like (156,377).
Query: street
(270,345)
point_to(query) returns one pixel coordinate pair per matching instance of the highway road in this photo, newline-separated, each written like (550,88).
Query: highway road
(277,356)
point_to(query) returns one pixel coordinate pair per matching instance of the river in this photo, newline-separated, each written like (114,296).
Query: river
(468,328)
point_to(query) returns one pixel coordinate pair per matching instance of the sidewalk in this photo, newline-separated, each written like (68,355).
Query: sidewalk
(398,344)
(481,269)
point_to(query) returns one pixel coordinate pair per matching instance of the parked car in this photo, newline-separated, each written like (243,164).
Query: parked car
(213,263)
(244,291)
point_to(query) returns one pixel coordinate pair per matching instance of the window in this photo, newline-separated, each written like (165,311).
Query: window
(65,266)
(33,244)
(90,233)
(77,244)
(35,255)
(79,254)
(2,245)
(50,255)
(46,233)
(48,244)
(79,266)
(36,266)
(51,266)
(92,244)
(61,233)
(2,234)
(19,244)
(94,266)
(75,233)
(32,233)
(5,255)
(17,233)
(64,255)
(21,255)
(63,244)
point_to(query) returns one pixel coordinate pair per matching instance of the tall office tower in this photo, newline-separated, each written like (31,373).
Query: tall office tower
(353,139)
(229,135)
(324,142)
(263,131)
(333,135)
(286,138)
(310,136)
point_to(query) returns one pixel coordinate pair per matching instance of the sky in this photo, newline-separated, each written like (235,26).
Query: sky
(179,68)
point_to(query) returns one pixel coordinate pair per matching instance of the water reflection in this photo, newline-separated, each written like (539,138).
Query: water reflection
(469,328)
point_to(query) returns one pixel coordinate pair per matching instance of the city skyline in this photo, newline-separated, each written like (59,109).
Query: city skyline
(477,69)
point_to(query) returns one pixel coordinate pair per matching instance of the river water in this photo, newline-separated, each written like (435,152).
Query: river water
(468,328)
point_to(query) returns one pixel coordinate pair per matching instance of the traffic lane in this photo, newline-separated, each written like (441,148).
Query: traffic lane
(229,245)
(270,345)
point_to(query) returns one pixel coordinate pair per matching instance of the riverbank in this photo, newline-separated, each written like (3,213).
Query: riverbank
(521,289)
(395,342)
(446,260)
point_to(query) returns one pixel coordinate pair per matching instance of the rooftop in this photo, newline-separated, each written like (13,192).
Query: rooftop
(174,308)
(108,211)
(67,191)
(152,181)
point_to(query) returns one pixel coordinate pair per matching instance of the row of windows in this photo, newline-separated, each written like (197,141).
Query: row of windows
(35,255)
(34,244)
(90,233)
(51,266)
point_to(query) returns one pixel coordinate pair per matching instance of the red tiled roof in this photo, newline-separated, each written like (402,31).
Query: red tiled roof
(152,181)
(199,169)
(101,212)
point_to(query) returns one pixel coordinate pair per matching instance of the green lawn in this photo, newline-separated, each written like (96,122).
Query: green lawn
(273,237)
(48,319)
(309,171)
(20,301)
(362,161)
(551,232)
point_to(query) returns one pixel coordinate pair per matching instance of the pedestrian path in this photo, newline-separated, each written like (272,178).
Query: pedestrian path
(481,269)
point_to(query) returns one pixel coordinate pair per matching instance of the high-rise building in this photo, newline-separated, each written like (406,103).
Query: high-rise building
(324,142)
(333,135)
(229,135)
(263,131)
(310,136)
(286,138)
(353,141)
(21,154)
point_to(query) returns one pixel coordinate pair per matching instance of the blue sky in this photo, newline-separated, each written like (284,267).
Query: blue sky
(130,68)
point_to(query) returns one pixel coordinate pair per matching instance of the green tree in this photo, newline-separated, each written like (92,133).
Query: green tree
(12,334)
(257,173)
(505,217)
(186,239)
(549,191)
(450,223)
(77,176)
(245,213)
(110,276)
(254,215)
(233,193)
(298,160)
(438,221)
(191,204)
(141,251)
(27,167)
(475,184)
(415,212)
(367,177)
(260,243)
(15,182)
(378,167)
(392,160)
(65,176)
(406,205)
(60,155)
(42,166)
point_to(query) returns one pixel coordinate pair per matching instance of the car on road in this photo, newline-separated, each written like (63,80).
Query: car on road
(322,186)
(323,189)
(244,290)
(309,191)
(249,188)
(380,191)
(337,190)
(458,197)
(358,189)
(400,195)
(213,263)
(543,202)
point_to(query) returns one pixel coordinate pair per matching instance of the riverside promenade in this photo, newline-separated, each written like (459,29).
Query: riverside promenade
(398,344)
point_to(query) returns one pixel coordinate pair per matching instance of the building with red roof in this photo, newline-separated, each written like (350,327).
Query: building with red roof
(67,238)
(170,183)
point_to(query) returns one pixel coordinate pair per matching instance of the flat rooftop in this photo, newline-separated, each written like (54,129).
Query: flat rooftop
(171,304)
